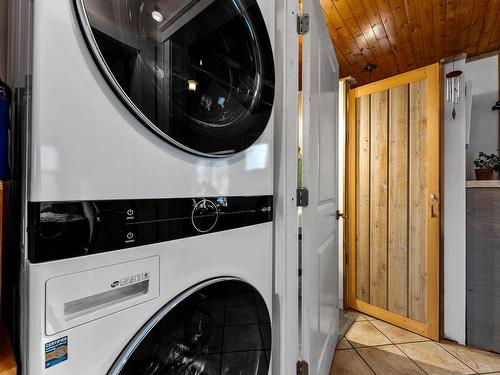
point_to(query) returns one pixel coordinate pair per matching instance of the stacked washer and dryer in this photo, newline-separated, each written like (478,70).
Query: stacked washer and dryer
(149,182)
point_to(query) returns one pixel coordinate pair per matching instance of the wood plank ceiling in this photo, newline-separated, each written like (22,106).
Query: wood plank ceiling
(402,35)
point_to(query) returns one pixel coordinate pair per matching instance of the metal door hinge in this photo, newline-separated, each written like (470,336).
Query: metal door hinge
(302,368)
(340,215)
(303,24)
(302,197)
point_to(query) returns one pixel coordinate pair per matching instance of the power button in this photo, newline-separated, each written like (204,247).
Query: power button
(130,237)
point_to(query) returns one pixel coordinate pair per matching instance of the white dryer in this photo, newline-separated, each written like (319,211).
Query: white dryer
(151,99)
(147,187)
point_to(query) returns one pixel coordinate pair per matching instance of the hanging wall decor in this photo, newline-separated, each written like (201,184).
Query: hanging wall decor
(453,89)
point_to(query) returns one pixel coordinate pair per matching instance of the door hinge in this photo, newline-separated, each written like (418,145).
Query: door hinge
(302,368)
(302,197)
(339,215)
(303,24)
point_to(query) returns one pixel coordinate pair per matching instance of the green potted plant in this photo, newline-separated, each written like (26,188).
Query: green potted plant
(485,165)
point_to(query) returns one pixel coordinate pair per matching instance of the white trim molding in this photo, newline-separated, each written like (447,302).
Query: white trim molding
(285,297)
(454,216)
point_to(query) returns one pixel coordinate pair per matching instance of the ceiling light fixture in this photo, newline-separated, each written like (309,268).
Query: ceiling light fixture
(157,16)
(370,67)
(192,85)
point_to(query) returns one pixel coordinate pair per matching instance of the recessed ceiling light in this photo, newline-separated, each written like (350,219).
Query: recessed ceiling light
(157,16)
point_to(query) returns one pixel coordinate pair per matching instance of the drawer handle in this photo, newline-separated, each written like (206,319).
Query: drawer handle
(83,306)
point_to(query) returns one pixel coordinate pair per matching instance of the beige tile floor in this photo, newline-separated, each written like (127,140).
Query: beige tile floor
(373,347)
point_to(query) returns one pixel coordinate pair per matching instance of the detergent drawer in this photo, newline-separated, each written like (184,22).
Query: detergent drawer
(81,297)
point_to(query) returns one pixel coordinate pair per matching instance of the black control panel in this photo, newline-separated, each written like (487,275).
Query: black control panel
(61,230)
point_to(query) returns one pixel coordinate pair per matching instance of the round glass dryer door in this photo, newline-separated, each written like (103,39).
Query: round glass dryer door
(221,327)
(199,73)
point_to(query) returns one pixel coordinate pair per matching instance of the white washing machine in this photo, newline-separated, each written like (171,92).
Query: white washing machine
(147,187)
(194,304)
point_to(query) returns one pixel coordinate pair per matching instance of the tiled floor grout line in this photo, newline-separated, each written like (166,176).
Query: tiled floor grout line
(454,356)
(378,346)
(359,355)
(415,362)
(364,360)
(396,345)
(392,343)
(416,342)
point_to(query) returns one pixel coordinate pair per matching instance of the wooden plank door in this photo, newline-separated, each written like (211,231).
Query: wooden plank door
(393,200)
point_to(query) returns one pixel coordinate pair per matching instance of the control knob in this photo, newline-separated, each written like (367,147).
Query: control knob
(204,216)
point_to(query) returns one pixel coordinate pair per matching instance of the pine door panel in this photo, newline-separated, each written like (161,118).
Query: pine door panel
(418,202)
(363,199)
(397,250)
(393,173)
(378,198)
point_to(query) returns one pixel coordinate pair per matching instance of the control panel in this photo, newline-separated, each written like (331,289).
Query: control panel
(61,230)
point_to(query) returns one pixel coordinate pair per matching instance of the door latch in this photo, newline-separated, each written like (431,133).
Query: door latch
(302,197)
(434,201)
(340,215)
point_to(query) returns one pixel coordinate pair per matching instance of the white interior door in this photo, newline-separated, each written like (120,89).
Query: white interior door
(320,310)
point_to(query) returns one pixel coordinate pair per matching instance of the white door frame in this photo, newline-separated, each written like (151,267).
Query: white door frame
(285,295)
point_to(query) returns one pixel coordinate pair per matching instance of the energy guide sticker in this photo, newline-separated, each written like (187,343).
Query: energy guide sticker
(56,352)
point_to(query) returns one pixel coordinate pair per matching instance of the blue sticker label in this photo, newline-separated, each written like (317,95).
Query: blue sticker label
(56,352)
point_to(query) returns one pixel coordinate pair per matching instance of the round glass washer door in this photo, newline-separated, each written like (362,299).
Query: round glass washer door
(221,327)
(198,73)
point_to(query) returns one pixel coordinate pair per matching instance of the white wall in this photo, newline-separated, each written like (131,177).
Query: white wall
(484,134)
(458,167)
(454,216)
